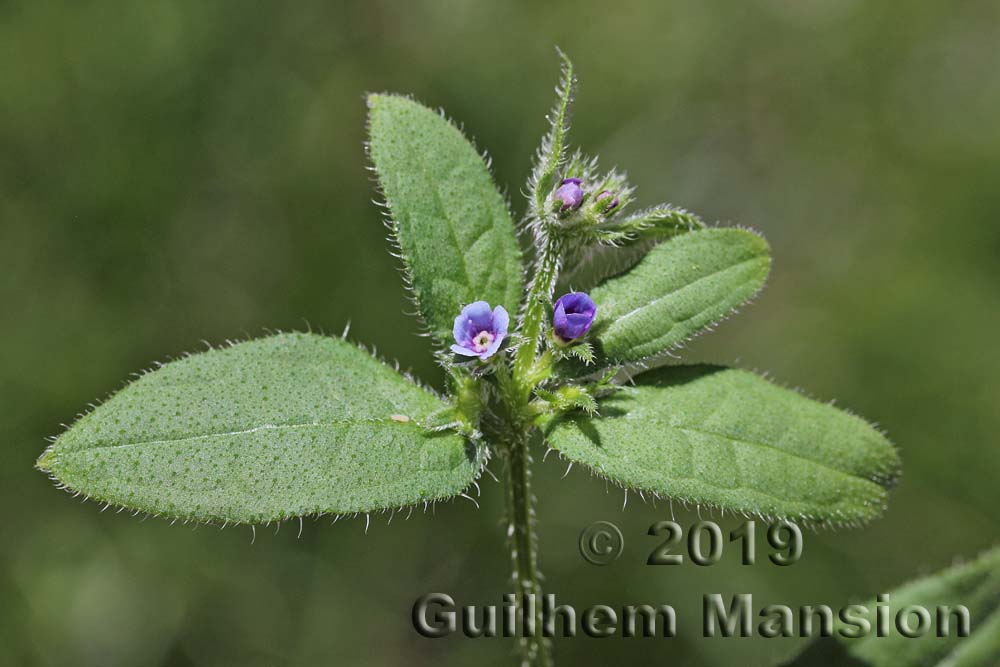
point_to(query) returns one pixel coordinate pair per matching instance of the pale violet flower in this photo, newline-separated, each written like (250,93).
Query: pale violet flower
(479,331)
(569,195)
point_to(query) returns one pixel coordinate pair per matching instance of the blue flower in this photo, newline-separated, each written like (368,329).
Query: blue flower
(478,331)
(573,314)
(569,195)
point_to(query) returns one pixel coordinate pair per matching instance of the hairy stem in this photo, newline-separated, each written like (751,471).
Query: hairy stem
(539,296)
(517,389)
(534,648)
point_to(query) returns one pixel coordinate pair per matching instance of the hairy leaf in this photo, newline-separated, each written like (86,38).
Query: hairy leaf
(268,429)
(453,228)
(730,439)
(590,265)
(975,585)
(682,286)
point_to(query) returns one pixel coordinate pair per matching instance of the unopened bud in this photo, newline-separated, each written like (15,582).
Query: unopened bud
(569,195)
(606,202)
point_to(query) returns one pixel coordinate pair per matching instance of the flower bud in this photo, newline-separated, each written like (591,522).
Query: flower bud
(572,316)
(606,202)
(569,195)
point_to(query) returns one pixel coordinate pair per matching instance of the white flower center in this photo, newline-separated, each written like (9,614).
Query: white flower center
(482,341)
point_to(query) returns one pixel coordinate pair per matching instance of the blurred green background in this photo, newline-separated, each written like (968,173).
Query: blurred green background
(180,172)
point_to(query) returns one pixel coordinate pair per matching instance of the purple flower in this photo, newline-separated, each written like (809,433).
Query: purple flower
(569,195)
(478,331)
(574,313)
(602,201)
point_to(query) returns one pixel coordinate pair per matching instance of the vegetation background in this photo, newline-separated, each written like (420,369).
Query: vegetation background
(180,172)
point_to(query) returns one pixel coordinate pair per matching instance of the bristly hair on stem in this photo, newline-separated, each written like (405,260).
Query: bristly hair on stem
(551,155)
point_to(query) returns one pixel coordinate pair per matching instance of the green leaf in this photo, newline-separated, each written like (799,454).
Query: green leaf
(975,585)
(682,286)
(591,265)
(454,231)
(730,439)
(273,428)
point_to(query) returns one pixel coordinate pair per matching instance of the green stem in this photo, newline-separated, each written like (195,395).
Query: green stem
(539,296)
(534,648)
(517,389)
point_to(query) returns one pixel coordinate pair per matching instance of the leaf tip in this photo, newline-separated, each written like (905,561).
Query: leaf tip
(567,63)
(45,461)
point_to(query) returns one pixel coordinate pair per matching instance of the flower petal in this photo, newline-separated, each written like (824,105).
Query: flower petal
(578,324)
(501,321)
(464,351)
(479,316)
(460,330)
(559,316)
